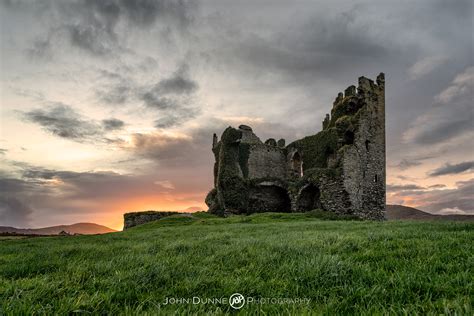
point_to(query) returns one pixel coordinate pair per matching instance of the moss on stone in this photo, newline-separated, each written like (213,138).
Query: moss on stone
(316,174)
(231,135)
(230,182)
(316,149)
(347,106)
(235,193)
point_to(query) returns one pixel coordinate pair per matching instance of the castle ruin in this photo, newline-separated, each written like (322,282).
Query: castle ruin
(340,169)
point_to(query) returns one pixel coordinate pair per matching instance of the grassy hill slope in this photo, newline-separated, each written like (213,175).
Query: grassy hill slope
(400,212)
(348,267)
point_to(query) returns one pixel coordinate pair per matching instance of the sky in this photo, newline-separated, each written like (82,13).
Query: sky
(109,106)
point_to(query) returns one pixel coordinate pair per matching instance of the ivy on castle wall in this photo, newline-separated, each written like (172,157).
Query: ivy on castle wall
(316,149)
(244,154)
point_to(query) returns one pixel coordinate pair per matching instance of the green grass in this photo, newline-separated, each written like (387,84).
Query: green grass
(344,267)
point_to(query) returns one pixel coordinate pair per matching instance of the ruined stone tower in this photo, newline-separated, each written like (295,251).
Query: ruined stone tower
(340,169)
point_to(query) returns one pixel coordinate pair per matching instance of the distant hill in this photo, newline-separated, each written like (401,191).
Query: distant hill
(79,228)
(192,209)
(400,212)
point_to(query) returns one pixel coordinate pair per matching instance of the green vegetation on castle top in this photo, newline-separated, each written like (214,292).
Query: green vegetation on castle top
(317,148)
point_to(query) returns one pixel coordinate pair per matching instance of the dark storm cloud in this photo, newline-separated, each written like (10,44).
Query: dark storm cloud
(92,39)
(178,83)
(15,209)
(14,212)
(172,98)
(62,121)
(155,101)
(112,124)
(405,164)
(176,117)
(444,130)
(313,47)
(453,169)
(146,12)
(437,186)
(403,187)
(170,93)
(81,184)
(57,191)
(92,25)
(450,117)
(9,185)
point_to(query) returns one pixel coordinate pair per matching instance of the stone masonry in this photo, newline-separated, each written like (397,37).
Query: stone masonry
(340,169)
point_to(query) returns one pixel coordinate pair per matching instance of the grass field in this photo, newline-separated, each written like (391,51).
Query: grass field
(343,267)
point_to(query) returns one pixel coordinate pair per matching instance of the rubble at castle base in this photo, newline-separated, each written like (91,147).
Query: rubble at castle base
(340,169)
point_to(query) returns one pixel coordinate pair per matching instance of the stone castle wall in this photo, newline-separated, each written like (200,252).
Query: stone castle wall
(340,169)
(138,218)
(266,162)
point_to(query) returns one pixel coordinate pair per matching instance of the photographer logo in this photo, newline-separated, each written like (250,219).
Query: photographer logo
(237,301)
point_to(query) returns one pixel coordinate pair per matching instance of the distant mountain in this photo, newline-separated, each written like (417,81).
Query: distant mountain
(193,209)
(79,228)
(400,212)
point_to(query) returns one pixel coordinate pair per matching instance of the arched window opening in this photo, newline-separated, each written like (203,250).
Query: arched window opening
(367,145)
(309,199)
(268,198)
(376,179)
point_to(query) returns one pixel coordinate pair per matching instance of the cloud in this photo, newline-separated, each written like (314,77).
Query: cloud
(112,124)
(175,117)
(425,66)
(405,164)
(282,64)
(92,25)
(3,151)
(96,26)
(166,184)
(145,12)
(452,169)
(91,38)
(178,83)
(170,92)
(41,49)
(63,196)
(443,123)
(403,187)
(172,98)
(62,121)
(437,186)
(437,127)
(166,149)
(461,197)
(14,212)
(115,94)
(318,45)
(451,211)
(461,86)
